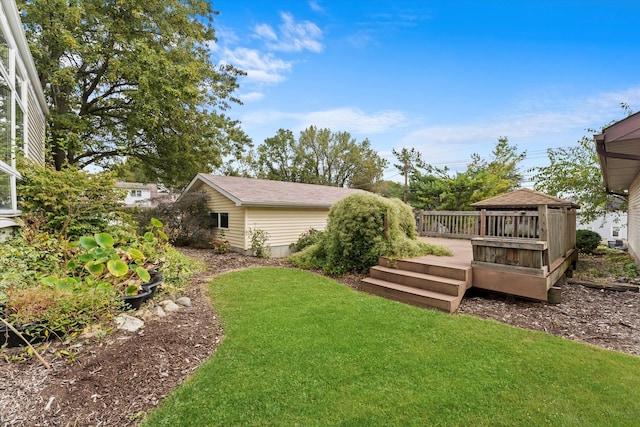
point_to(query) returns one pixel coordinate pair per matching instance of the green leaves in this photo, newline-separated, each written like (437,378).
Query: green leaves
(88,242)
(132,90)
(117,267)
(143,274)
(105,240)
(319,156)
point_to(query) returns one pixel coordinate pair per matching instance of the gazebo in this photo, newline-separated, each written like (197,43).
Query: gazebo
(526,243)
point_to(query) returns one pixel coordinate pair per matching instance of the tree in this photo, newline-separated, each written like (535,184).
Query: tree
(438,189)
(319,156)
(574,173)
(409,160)
(499,175)
(133,79)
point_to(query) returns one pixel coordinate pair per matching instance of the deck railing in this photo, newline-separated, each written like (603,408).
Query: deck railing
(555,226)
(484,223)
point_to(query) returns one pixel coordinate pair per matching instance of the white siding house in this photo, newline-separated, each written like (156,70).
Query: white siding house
(138,194)
(22,109)
(612,227)
(285,210)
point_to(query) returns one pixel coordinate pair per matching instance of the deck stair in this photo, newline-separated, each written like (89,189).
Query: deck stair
(424,283)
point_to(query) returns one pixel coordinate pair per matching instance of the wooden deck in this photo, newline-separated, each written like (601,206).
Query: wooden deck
(461,248)
(441,281)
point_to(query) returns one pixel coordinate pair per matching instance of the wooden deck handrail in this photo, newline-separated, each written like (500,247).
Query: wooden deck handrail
(553,225)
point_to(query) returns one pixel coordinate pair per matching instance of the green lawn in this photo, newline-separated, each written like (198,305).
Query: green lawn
(303,350)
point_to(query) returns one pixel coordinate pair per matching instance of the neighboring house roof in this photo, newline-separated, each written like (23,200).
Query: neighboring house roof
(523,198)
(618,148)
(136,185)
(263,192)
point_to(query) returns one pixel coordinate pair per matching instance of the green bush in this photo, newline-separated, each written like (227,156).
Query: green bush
(54,284)
(306,239)
(69,202)
(360,229)
(587,241)
(259,245)
(187,221)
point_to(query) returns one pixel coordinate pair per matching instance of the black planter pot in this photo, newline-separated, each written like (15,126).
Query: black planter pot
(32,333)
(156,280)
(134,302)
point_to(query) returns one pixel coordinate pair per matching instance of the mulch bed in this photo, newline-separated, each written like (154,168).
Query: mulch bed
(115,379)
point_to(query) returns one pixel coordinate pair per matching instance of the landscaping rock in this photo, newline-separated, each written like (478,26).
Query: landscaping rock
(169,306)
(129,323)
(158,311)
(184,301)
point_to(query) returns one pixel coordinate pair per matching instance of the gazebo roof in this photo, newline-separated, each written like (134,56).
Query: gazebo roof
(524,198)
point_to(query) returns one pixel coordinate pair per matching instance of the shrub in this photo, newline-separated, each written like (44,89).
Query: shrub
(587,241)
(69,202)
(187,221)
(221,246)
(306,239)
(61,286)
(259,239)
(360,229)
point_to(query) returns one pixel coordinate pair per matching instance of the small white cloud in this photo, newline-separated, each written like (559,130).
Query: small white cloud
(264,31)
(354,120)
(338,120)
(251,96)
(292,36)
(315,6)
(263,68)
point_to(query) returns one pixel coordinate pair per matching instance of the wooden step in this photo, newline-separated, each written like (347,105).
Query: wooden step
(431,267)
(411,295)
(427,282)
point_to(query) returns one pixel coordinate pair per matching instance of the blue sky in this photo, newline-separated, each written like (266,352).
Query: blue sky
(445,77)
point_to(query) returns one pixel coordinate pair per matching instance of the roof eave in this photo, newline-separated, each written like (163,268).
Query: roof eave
(285,205)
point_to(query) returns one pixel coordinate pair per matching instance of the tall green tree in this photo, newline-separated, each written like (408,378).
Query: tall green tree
(574,173)
(498,175)
(408,161)
(133,79)
(484,178)
(319,156)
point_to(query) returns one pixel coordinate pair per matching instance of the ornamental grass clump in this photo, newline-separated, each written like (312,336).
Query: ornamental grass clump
(360,229)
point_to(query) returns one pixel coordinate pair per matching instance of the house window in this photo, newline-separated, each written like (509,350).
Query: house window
(6,201)
(616,231)
(136,193)
(220,219)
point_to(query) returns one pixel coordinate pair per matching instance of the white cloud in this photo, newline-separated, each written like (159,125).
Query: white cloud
(344,119)
(354,120)
(251,96)
(261,68)
(292,36)
(535,121)
(264,31)
(315,6)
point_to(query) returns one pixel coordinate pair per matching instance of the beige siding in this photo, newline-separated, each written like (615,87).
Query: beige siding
(219,203)
(285,225)
(35,129)
(633,233)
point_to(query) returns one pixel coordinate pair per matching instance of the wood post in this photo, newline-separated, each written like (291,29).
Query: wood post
(543,222)
(420,222)
(483,222)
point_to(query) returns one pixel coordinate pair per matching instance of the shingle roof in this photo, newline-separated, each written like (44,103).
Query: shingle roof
(524,198)
(263,192)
